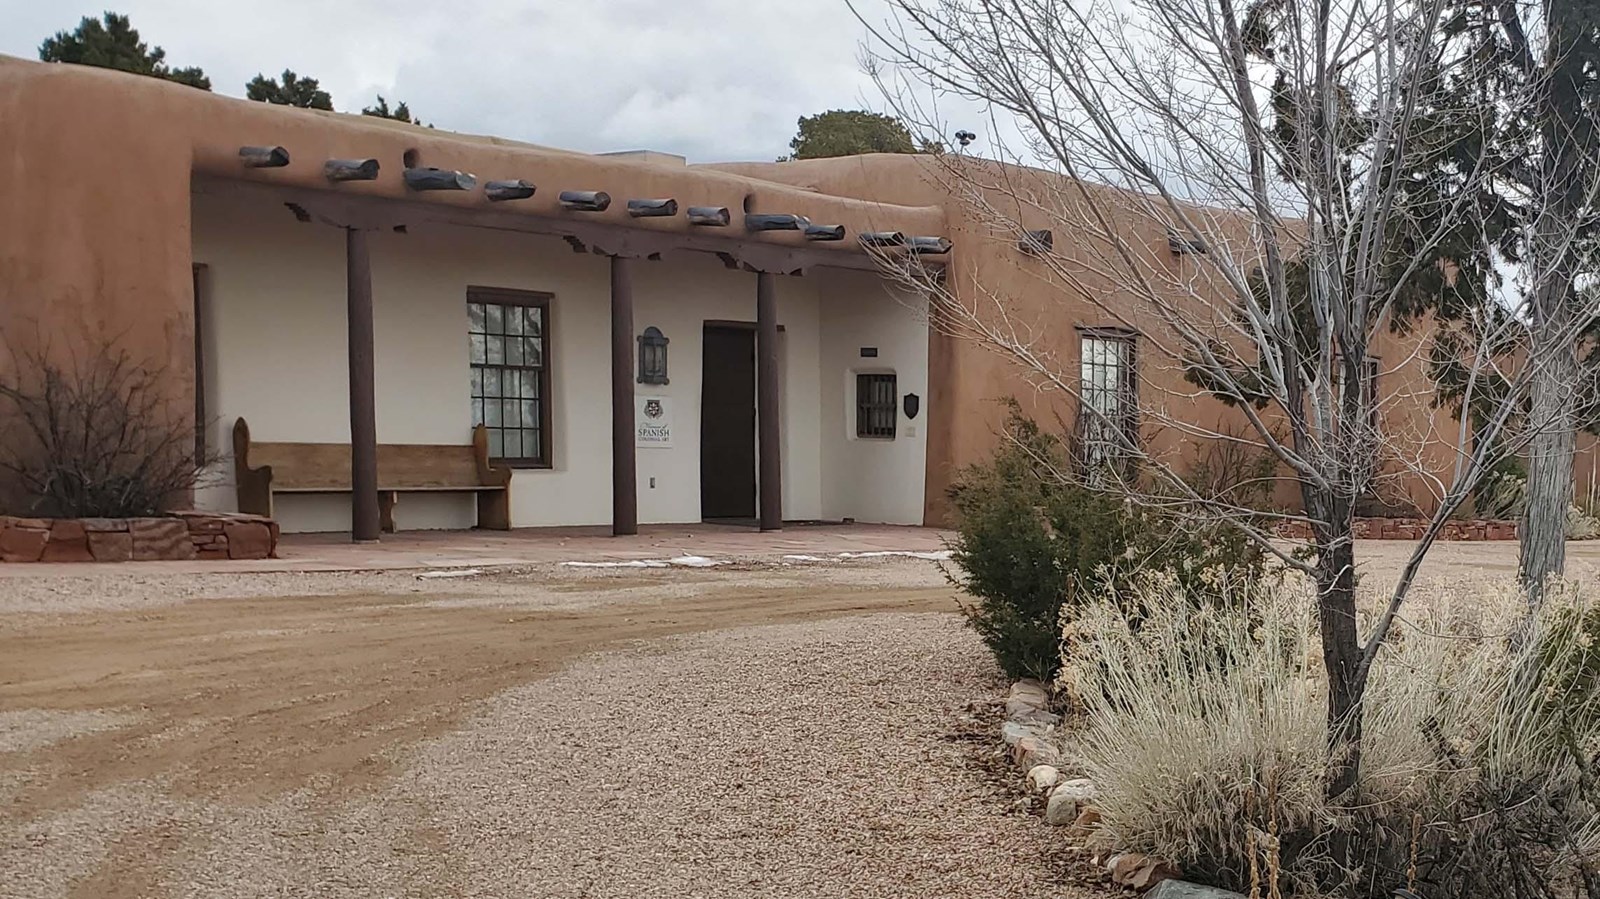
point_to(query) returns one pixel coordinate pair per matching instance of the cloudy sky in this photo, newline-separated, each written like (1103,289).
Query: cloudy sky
(713,80)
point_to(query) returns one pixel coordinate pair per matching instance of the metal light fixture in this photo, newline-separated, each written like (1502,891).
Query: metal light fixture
(712,216)
(757,221)
(824,232)
(350,170)
(653,356)
(652,208)
(516,189)
(585,200)
(1037,243)
(264,157)
(439,179)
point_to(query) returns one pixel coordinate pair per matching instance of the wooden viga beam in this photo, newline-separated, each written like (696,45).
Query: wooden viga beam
(514,189)
(710,216)
(824,232)
(759,221)
(350,169)
(585,200)
(439,179)
(652,208)
(264,157)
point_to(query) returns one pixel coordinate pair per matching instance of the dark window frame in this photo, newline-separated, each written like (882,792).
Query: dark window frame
(1126,392)
(510,298)
(868,408)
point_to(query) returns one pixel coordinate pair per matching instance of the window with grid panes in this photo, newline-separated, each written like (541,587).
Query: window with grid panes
(876,401)
(510,342)
(1107,415)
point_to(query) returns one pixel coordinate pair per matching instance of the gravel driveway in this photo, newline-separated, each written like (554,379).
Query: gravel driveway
(814,743)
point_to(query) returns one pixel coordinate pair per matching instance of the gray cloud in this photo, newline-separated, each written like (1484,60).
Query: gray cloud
(709,79)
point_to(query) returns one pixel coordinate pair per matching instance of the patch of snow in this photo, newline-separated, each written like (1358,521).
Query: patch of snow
(805,558)
(696,562)
(941,555)
(630,563)
(453,572)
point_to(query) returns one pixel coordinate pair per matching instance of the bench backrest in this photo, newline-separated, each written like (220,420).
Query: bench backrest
(327,465)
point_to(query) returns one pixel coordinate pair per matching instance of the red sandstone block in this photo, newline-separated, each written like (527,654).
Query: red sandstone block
(22,544)
(105,525)
(249,540)
(160,539)
(212,553)
(69,542)
(111,546)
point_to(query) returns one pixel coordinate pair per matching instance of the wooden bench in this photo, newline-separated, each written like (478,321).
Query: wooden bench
(263,470)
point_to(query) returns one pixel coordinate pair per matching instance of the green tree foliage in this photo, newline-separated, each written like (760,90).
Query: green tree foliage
(291,90)
(113,43)
(1030,540)
(848,132)
(381,110)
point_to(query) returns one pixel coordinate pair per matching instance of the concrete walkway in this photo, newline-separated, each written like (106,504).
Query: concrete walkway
(448,549)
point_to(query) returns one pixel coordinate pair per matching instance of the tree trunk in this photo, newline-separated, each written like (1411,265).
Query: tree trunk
(1549,488)
(1341,646)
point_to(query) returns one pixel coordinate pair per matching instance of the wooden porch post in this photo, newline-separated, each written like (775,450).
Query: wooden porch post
(768,432)
(364,521)
(624,473)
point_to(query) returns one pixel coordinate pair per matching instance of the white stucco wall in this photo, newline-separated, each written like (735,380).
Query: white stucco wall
(871,479)
(275,333)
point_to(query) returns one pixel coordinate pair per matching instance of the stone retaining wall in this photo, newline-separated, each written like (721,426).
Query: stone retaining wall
(1412,529)
(179,537)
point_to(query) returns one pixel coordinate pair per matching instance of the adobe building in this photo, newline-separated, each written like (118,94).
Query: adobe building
(643,341)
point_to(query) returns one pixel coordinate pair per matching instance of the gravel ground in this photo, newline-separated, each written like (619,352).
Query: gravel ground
(815,759)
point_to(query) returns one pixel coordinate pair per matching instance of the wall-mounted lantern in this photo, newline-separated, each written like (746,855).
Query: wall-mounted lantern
(653,356)
(500,191)
(585,200)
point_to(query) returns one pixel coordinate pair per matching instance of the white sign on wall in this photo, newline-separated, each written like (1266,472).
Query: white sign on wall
(653,422)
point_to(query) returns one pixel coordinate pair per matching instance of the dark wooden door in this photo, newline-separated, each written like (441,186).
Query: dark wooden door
(728,423)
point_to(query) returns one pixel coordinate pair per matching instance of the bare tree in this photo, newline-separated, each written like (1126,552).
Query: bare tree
(1234,186)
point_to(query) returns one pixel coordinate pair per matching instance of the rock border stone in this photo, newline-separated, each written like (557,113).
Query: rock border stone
(1028,730)
(179,536)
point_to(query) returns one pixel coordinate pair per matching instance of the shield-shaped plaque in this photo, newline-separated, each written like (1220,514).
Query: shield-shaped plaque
(913,404)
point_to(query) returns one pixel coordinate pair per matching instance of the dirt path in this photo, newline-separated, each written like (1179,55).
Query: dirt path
(322,745)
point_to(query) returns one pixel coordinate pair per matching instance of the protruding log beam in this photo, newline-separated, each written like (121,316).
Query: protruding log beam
(364,520)
(1186,246)
(624,470)
(769,435)
(882,239)
(759,221)
(824,232)
(439,179)
(710,216)
(934,246)
(350,169)
(585,200)
(264,157)
(1037,243)
(500,191)
(652,208)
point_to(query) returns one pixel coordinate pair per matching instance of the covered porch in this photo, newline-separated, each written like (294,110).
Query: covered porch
(365,324)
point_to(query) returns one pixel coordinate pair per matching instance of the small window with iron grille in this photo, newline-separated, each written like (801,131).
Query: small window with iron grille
(876,405)
(509,336)
(1108,423)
